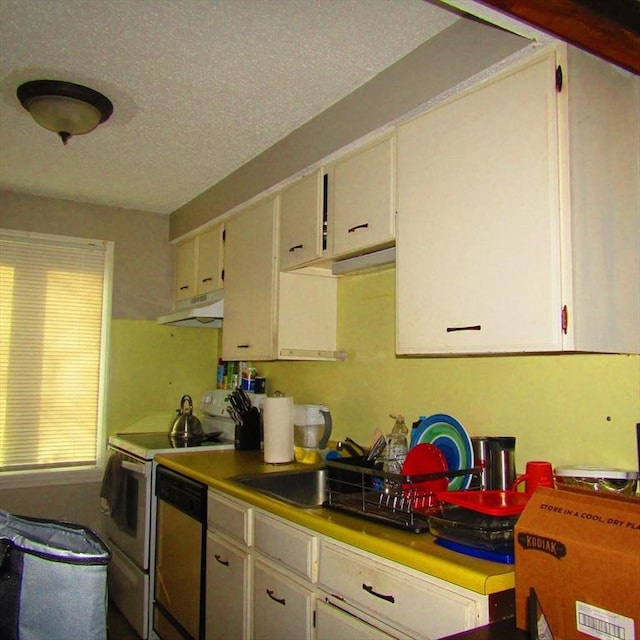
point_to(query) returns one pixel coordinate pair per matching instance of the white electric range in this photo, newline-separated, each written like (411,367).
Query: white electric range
(131,526)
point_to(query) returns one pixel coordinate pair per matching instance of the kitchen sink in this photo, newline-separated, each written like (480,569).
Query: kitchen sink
(306,489)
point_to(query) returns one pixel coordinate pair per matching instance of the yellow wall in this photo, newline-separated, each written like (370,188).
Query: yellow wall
(569,409)
(151,367)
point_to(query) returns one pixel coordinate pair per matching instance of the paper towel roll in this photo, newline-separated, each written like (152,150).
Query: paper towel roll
(277,416)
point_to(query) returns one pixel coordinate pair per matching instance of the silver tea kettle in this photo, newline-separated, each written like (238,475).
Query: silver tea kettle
(186,426)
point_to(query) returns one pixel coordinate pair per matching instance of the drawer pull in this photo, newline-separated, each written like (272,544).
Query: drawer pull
(475,327)
(220,560)
(278,600)
(364,225)
(369,589)
(297,246)
(207,279)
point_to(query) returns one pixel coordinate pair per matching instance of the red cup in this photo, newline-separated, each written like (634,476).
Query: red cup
(537,474)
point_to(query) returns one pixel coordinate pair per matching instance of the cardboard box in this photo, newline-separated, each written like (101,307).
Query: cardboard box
(581,553)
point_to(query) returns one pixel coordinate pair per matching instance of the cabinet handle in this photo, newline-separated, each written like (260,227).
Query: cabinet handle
(297,246)
(242,346)
(365,225)
(281,601)
(207,279)
(183,287)
(220,560)
(369,589)
(325,210)
(475,327)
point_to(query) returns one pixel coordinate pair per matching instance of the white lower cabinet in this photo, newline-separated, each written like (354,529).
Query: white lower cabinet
(227,602)
(283,607)
(414,604)
(332,623)
(271,579)
(229,568)
(285,572)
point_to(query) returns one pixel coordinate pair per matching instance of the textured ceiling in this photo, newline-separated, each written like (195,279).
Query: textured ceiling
(199,86)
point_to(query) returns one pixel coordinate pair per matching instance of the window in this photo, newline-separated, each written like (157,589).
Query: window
(55,295)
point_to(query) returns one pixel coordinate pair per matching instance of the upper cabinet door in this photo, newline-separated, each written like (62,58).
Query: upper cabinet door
(209,264)
(185,271)
(364,199)
(478,247)
(301,222)
(251,283)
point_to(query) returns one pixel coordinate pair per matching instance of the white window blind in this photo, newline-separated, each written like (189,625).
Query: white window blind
(54,319)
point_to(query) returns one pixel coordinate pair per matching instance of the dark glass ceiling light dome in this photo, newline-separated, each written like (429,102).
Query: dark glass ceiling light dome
(64,107)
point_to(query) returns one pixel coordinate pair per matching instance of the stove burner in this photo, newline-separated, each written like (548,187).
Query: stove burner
(193,441)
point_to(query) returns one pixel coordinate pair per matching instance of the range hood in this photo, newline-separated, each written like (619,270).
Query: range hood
(365,263)
(205,310)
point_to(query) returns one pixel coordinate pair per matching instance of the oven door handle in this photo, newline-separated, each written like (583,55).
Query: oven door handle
(135,467)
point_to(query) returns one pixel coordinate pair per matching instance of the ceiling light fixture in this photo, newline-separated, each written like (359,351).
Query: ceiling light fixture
(64,107)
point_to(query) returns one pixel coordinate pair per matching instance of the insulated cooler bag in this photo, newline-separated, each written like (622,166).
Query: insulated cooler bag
(53,580)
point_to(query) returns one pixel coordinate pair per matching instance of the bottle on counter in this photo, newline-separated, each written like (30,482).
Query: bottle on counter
(221,381)
(397,446)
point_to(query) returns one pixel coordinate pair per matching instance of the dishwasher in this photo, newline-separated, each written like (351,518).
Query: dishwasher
(178,606)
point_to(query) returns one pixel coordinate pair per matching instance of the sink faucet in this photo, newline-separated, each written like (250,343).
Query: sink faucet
(351,446)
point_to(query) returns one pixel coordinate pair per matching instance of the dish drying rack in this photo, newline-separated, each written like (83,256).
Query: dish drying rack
(389,498)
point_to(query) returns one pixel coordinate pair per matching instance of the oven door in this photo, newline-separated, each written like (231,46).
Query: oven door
(130,531)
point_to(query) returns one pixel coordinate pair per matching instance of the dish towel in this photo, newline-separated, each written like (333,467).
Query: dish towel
(113,490)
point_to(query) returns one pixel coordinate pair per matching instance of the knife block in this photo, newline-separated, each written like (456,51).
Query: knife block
(248,433)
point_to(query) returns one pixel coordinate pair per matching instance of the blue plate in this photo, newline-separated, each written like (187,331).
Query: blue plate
(452,439)
(506,557)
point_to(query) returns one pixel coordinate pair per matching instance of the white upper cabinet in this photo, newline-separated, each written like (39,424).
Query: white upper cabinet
(250,283)
(518,215)
(209,264)
(185,270)
(363,194)
(270,315)
(198,264)
(302,213)
(308,317)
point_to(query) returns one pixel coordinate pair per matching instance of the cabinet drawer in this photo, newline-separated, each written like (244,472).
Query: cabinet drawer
(231,517)
(388,592)
(282,607)
(333,623)
(292,547)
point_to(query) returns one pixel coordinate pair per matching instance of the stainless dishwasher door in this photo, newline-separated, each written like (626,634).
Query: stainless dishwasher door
(178,609)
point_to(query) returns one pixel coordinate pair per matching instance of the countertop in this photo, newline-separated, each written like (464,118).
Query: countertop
(418,551)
